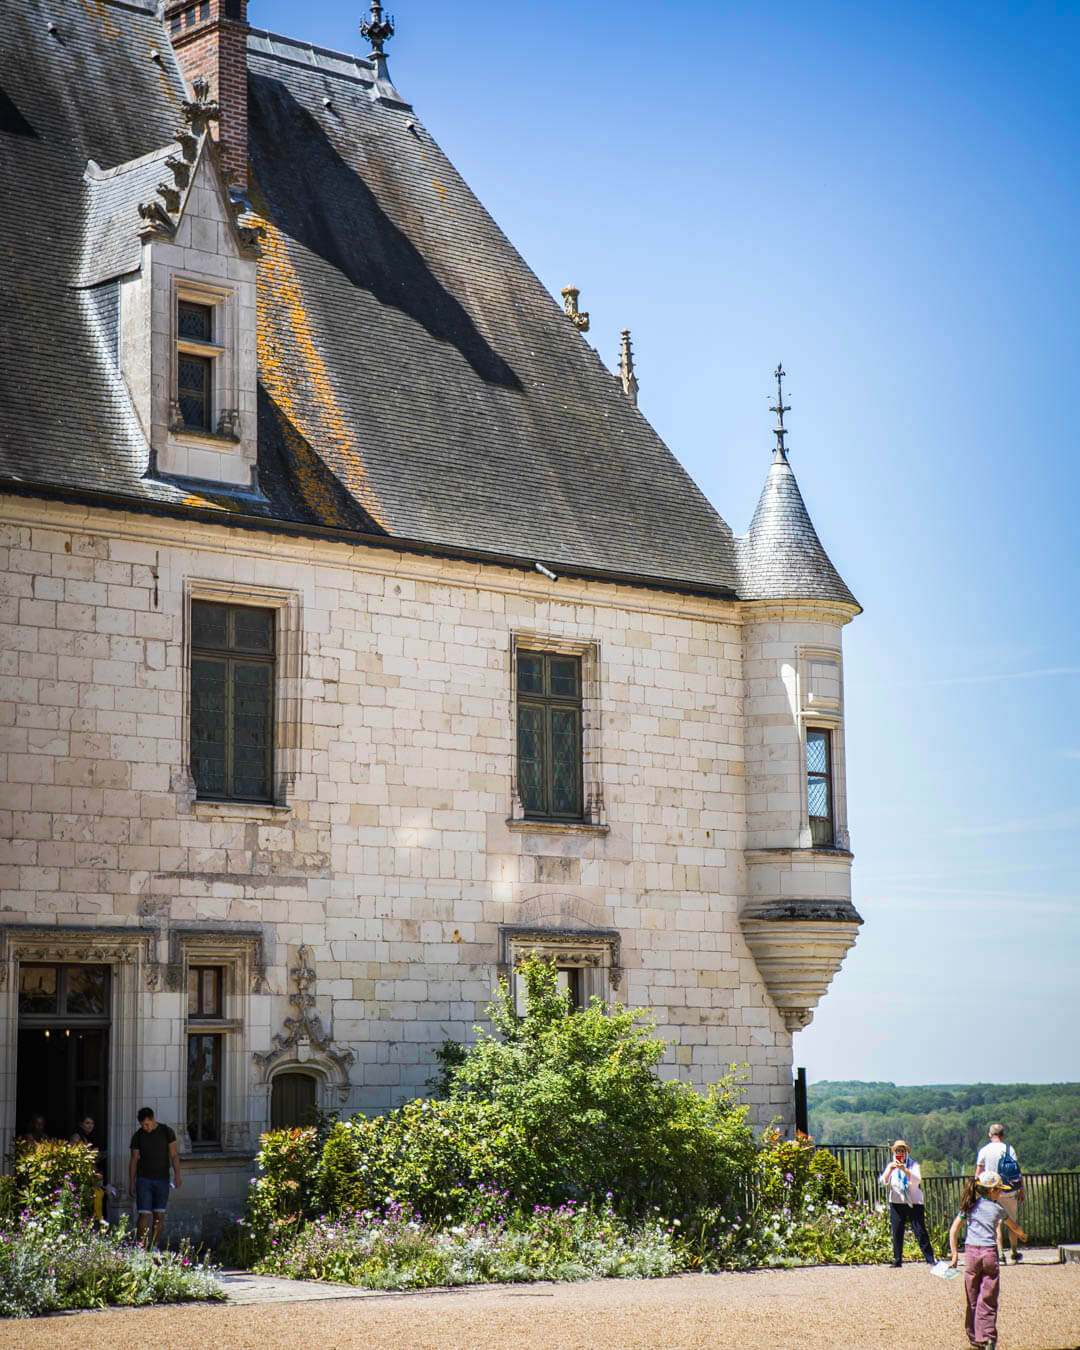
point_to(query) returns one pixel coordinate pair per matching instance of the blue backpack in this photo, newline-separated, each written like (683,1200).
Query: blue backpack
(1008,1167)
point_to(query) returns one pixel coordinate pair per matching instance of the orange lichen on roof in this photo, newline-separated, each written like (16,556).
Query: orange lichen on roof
(293,372)
(209,503)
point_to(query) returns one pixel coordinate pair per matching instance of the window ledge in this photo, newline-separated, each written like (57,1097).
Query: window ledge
(556,827)
(207,1026)
(202,437)
(205,810)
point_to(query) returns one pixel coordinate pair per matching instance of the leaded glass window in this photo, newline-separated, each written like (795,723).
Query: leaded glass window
(204,991)
(194,373)
(549,734)
(232,701)
(819,786)
(204,1089)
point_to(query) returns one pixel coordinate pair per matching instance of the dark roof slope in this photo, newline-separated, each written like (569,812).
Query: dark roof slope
(416,380)
(780,557)
(435,374)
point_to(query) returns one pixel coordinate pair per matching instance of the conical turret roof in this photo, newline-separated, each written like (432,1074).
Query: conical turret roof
(780,557)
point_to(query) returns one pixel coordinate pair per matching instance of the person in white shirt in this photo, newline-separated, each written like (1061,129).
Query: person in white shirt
(990,1160)
(903,1178)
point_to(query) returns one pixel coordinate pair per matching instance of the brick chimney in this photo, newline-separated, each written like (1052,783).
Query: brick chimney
(209,38)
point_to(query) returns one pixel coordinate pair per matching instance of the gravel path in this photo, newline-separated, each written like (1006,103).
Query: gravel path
(816,1309)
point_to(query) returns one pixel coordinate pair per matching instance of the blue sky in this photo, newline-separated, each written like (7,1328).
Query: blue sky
(885,198)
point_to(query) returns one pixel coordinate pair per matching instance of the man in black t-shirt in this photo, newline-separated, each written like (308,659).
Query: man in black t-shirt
(153,1152)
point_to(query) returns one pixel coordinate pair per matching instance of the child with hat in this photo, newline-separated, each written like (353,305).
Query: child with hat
(980,1210)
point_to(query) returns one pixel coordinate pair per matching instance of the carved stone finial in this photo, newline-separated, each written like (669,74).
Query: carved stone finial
(626,368)
(579,318)
(200,110)
(377,29)
(780,408)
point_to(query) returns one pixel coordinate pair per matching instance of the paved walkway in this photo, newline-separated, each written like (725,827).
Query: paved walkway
(824,1308)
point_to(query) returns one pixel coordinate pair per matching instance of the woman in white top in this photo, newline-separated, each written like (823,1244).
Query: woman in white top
(902,1176)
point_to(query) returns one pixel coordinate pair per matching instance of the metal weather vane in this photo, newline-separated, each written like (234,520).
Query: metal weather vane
(780,408)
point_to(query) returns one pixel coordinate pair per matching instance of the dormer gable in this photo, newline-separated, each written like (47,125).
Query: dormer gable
(166,226)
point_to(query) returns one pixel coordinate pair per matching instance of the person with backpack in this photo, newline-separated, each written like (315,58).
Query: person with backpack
(982,1213)
(1000,1157)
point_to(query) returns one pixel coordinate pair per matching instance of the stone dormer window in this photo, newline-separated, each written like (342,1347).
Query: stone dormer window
(165,227)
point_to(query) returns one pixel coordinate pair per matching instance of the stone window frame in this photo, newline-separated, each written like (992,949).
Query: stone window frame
(239,956)
(224,386)
(823,715)
(593,807)
(288,704)
(597,953)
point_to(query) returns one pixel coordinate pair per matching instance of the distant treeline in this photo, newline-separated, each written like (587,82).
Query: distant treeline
(945,1124)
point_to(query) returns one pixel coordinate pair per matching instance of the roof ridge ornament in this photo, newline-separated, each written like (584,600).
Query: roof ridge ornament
(626,368)
(578,317)
(780,408)
(200,110)
(378,31)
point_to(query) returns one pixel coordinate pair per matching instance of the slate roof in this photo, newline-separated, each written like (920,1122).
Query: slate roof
(780,557)
(416,380)
(111,220)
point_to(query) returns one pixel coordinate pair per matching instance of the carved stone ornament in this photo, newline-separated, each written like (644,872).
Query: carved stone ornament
(200,110)
(229,423)
(156,220)
(305,1030)
(176,416)
(578,317)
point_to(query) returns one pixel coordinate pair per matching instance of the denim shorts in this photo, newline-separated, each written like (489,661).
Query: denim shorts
(151,1194)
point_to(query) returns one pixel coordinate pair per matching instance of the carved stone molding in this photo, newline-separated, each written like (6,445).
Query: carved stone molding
(798,946)
(102,946)
(305,1040)
(241,946)
(588,948)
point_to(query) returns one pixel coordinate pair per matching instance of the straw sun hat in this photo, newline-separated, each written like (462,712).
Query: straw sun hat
(990,1181)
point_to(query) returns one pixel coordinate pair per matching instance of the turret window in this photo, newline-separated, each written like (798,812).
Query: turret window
(819,788)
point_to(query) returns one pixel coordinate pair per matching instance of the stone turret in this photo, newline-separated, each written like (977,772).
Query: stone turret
(798,919)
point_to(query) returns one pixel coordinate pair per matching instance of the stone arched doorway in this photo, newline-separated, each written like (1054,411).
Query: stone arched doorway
(293,1100)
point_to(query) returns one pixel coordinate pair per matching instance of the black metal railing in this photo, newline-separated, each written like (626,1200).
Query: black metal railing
(1050,1214)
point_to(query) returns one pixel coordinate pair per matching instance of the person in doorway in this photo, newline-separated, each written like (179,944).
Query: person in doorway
(1000,1157)
(906,1205)
(153,1152)
(981,1211)
(84,1134)
(35,1131)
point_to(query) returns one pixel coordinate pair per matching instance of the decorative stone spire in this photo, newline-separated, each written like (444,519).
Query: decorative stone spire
(378,30)
(626,368)
(780,408)
(579,318)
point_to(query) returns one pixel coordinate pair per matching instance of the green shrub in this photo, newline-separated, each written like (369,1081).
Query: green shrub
(578,1093)
(827,1181)
(44,1171)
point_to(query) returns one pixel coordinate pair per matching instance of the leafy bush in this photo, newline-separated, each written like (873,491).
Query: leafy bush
(578,1091)
(44,1171)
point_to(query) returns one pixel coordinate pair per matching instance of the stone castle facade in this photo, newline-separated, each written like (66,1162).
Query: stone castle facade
(286,790)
